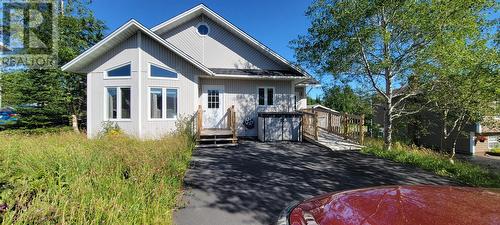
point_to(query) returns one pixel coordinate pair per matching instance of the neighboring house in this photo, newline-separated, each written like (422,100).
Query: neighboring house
(146,79)
(426,129)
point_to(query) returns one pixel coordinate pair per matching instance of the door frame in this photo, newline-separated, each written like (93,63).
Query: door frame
(204,99)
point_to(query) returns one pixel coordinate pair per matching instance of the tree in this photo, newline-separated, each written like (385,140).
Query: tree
(344,99)
(465,88)
(53,95)
(386,44)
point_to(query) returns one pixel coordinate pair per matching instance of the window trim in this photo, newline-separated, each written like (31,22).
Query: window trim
(265,96)
(163,67)
(491,138)
(202,23)
(106,77)
(164,104)
(118,103)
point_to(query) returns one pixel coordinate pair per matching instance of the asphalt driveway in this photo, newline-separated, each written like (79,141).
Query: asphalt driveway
(252,183)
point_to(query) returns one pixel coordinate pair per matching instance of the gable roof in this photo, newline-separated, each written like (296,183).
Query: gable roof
(202,9)
(119,35)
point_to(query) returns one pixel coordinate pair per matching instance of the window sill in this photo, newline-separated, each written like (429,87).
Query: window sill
(120,120)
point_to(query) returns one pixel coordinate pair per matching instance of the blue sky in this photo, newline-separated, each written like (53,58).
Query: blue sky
(272,22)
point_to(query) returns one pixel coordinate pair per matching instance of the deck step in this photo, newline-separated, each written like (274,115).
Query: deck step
(217,145)
(216,139)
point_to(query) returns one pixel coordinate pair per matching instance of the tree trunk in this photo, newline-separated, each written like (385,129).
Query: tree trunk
(388,127)
(74,123)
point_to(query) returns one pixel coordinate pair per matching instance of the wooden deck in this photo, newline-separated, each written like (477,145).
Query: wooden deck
(216,132)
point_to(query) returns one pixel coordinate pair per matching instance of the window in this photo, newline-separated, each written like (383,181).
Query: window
(213,99)
(493,142)
(156,103)
(163,103)
(118,98)
(156,71)
(122,71)
(203,29)
(266,96)
(172,103)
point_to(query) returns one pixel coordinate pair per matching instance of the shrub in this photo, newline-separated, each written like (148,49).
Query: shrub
(440,164)
(66,178)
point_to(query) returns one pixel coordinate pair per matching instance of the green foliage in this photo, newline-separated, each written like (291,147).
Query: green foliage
(313,101)
(67,179)
(390,45)
(344,99)
(36,131)
(52,95)
(440,164)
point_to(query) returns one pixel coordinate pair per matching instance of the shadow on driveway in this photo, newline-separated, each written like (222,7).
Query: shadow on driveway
(252,183)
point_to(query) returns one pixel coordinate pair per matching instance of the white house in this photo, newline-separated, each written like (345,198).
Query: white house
(145,79)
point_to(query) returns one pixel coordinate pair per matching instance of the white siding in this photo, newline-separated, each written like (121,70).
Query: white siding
(123,53)
(243,95)
(186,84)
(219,49)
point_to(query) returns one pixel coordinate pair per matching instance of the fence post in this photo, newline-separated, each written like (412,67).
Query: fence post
(316,130)
(199,120)
(361,131)
(346,123)
(329,122)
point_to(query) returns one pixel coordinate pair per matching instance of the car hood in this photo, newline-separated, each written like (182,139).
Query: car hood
(401,205)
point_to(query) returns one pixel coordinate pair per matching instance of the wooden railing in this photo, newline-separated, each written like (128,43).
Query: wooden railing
(199,121)
(231,121)
(310,124)
(345,125)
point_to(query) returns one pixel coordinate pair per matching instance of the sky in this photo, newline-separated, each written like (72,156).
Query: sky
(273,22)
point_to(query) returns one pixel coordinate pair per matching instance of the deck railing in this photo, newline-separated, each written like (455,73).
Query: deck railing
(345,125)
(230,121)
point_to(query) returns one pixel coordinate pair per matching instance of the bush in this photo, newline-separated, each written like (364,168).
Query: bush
(440,164)
(66,178)
(36,131)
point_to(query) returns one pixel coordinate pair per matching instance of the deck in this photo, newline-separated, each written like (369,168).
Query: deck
(216,132)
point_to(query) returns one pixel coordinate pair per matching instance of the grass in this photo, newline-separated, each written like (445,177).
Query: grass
(440,164)
(61,178)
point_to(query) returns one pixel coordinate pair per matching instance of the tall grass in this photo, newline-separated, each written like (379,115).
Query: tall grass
(67,179)
(440,164)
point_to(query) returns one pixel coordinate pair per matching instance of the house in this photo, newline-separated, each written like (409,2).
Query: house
(426,129)
(144,79)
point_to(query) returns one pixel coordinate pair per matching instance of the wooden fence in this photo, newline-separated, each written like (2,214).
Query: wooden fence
(345,125)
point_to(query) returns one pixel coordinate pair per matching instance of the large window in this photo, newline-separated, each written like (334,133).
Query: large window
(266,96)
(156,71)
(122,71)
(163,103)
(118,102)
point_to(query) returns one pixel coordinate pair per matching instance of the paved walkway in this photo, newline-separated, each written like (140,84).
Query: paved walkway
(252,183)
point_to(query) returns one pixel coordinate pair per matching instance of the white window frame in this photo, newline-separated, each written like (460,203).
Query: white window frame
(164,104)
(265,96)
(490,138)
(163,67)
(106,77)
(203,23)
(118,103)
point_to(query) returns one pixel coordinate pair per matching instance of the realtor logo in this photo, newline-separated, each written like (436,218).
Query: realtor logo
(28,34)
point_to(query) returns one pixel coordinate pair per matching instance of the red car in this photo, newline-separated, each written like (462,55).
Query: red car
(398,205)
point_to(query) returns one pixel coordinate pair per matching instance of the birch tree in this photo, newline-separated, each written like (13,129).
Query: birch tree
(385,44)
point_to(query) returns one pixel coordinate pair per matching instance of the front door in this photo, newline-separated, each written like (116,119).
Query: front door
(213,106)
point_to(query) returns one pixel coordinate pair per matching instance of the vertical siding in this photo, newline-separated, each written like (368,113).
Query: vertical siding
(243,95)
(187,86)
(121,54)
(219,49)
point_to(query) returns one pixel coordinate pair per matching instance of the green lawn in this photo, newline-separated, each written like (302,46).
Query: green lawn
(66,178)
(426,159)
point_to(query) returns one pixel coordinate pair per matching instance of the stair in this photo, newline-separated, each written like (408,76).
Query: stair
(216,138)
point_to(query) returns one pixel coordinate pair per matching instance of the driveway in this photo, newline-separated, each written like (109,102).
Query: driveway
(252,183)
